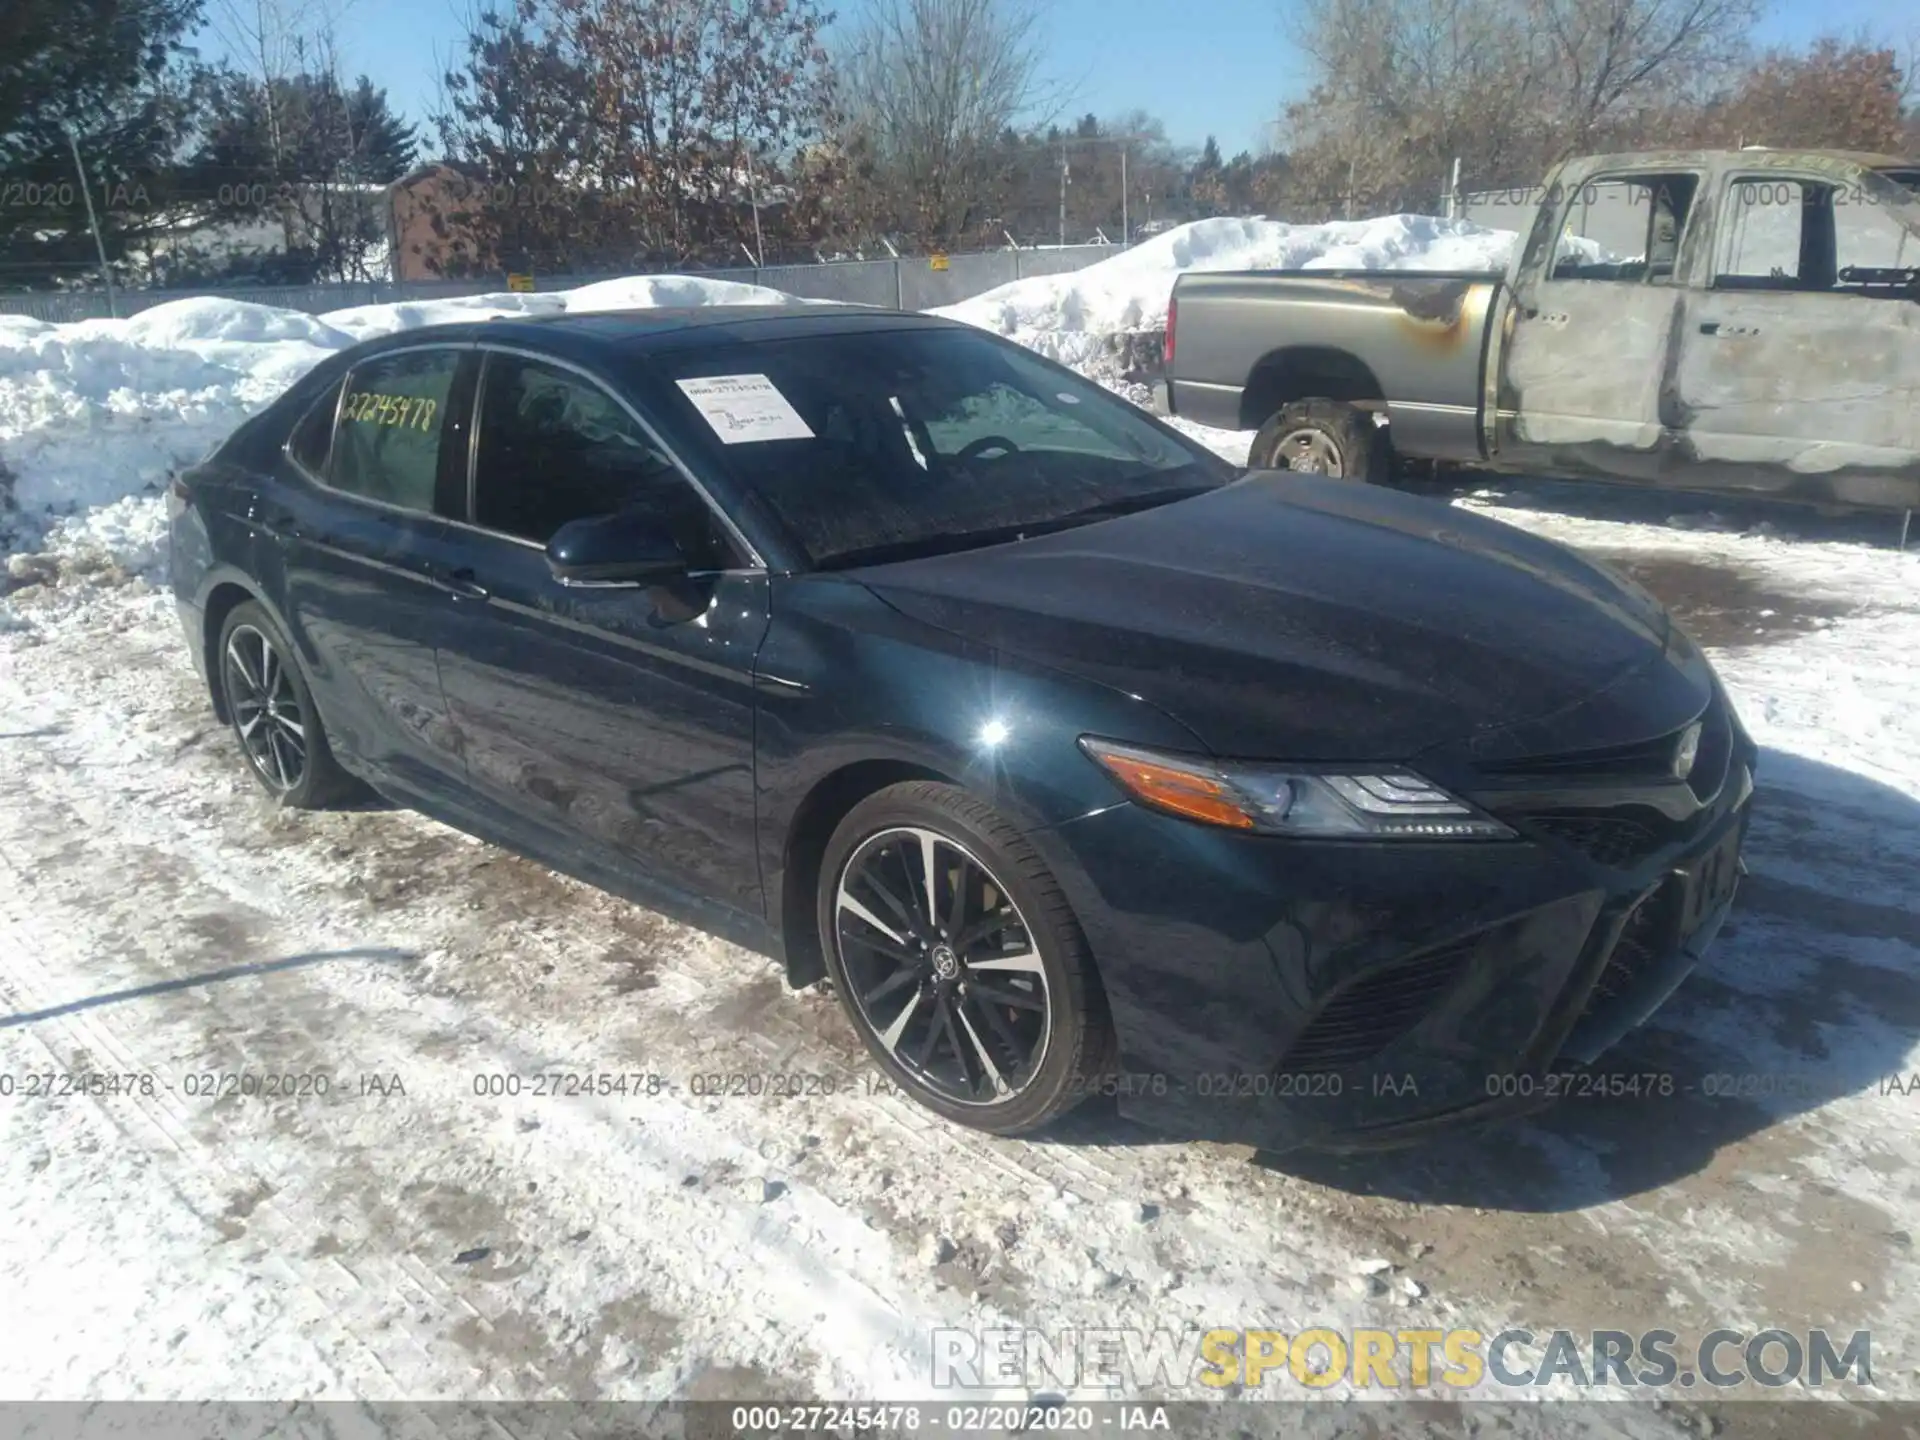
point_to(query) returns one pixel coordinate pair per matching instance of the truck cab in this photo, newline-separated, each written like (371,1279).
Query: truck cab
(1766,337)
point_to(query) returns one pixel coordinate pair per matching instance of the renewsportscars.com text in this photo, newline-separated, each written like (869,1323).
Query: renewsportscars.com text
(1137,1361)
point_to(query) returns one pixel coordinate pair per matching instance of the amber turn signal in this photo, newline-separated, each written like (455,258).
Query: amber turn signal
(1189,792)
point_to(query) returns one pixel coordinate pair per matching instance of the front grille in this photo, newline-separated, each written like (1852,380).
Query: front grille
(1614,840)
(1643,943)
(1649,759)
(1368,1015)
(1643,761)
(1621,835)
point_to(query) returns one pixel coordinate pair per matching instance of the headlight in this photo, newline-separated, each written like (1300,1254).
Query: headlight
(1275,800)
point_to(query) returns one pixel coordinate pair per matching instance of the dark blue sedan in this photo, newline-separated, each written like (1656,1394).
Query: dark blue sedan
(1283,809)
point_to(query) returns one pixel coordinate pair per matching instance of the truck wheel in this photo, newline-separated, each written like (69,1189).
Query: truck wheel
(1323,437)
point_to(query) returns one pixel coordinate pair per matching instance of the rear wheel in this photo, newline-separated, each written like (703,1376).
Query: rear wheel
(273,715)
(958,961)
(1324,437)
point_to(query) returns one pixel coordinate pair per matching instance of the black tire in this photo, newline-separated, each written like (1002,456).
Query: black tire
(293,762)
(1077,1044)
(1326,437)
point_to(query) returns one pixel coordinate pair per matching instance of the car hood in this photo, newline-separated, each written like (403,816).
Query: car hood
(1302,618)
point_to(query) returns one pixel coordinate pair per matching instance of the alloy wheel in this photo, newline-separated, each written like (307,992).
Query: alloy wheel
(265,708)
(942,967)
(1309,450)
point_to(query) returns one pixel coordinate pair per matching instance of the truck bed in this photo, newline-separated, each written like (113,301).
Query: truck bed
(1417,337)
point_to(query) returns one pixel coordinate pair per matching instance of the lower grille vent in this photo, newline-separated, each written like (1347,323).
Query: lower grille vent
(1642,944)
(1376,1010)
(1615,840)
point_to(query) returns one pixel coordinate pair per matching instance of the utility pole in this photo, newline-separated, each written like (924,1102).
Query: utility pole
(1126,142)
(1063,192)
(93,223)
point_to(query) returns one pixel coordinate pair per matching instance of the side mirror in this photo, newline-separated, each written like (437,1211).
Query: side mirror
(625,549)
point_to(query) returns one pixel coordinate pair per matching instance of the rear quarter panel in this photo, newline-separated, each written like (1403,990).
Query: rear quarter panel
(214,539)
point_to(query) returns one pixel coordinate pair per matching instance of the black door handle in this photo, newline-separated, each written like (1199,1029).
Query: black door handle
(462,586)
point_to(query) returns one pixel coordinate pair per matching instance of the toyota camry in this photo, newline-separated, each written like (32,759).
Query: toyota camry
(1075,759)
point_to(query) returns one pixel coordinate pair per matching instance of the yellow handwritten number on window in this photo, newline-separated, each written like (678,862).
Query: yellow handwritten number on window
(413,412)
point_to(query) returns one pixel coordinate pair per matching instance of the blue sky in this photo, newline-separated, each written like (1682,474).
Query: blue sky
(1204,66)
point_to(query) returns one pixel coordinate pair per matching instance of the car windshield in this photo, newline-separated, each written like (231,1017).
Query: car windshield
(873,446)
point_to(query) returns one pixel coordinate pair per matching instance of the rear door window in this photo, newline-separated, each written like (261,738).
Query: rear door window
(386,446)
(1760,248)
(1804,234)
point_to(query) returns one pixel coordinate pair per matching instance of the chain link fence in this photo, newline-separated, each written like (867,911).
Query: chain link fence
(908,283)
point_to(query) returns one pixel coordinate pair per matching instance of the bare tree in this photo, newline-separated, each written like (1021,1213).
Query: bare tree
(928,89)
(1611,55)
(274,40)
(1404,87)
(281,48)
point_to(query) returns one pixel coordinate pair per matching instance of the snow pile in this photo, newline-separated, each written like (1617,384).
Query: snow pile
(1070,317)
(94,415)
(633,292)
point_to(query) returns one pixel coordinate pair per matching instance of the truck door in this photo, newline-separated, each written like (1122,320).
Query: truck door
(1799,368)
(1583,342)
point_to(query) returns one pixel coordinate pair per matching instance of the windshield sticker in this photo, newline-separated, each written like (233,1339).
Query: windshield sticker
(744,408)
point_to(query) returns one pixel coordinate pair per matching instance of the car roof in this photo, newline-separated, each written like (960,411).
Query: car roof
(606,334)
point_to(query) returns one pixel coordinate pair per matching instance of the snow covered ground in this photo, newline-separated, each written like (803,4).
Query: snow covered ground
(407,1234)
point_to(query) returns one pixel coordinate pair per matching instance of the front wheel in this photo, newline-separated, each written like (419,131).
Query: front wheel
(958,960)
(1323,437)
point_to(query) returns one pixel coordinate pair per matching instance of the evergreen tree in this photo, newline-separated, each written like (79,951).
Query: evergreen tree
(114,75)
(308,157)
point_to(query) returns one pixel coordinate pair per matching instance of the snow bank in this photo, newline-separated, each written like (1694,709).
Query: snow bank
(633,292)
(184,322)
(641,292)
(1069,317)
(94,415)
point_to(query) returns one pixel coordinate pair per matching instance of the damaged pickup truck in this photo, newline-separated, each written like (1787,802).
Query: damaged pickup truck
(1765,340)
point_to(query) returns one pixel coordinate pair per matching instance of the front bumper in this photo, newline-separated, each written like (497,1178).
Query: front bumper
(1352,996)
